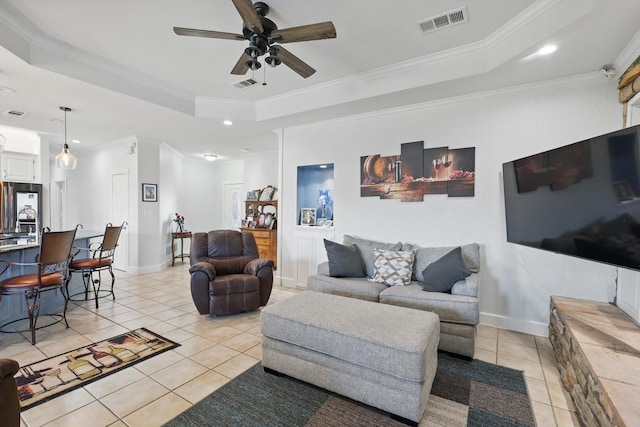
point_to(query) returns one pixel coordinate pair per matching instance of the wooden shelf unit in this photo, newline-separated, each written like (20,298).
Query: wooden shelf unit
(265,215)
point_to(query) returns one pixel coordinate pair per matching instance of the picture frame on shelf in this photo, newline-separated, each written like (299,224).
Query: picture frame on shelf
(307,216)
(267,193)
(253,195)
(149,192)
(252,224)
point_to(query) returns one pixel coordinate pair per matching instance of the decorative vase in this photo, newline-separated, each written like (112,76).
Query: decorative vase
(325,205)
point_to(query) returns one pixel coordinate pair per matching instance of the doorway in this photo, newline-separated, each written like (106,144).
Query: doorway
(57,205)
(233,205)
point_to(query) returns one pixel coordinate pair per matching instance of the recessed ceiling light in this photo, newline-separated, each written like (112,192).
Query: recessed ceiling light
(75,141)
(210,157)
(227,123)
(546,50)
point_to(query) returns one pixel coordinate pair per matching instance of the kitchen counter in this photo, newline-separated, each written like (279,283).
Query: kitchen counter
(26,249)
(27,242)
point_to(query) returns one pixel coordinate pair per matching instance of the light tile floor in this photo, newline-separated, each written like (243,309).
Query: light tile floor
(212,352)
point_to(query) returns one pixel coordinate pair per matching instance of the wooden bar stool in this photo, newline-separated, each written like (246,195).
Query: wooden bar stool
(52,264)
(99,258)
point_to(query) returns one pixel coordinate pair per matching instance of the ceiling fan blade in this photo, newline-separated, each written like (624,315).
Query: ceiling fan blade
(206,33)
(248,14)
(322,30)
(241,67)
(295,63)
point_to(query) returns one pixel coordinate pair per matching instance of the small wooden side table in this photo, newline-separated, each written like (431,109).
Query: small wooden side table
(175,236)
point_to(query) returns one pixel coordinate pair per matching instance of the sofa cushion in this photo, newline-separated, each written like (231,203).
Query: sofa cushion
(451,308)
(425,256)
(344,261)
(468,286)
(442,274)
(346,286)
(393,268)
(366,248)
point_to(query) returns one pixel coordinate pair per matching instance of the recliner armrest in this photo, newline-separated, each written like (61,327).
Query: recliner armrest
(8,368)
(255,265)
(204,267)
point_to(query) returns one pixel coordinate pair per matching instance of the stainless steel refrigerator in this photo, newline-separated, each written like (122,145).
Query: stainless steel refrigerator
(20,208)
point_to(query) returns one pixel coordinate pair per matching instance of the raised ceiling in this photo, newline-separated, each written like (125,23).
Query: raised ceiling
(119,65)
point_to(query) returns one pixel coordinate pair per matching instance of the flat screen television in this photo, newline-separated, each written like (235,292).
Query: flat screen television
(581,199)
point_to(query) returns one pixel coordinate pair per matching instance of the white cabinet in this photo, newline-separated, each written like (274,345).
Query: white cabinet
(18,167)
(310,251)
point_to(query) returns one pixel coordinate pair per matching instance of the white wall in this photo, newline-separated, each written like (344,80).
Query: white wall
(516,281)
(170,189)
(261,170)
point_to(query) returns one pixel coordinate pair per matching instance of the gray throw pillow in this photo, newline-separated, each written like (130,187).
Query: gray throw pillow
(344,261)
(366,248)
(441,275)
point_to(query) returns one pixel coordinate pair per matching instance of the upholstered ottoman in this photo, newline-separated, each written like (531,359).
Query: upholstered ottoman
(382,355)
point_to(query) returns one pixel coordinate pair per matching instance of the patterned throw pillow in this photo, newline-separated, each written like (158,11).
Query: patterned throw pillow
(393,268)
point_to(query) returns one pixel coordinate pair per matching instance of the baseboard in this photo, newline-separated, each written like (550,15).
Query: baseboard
(289,282)
(517,325)
(148,269)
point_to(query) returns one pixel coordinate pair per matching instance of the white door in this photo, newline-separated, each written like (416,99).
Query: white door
(120,213)
(57,205)
(233,205)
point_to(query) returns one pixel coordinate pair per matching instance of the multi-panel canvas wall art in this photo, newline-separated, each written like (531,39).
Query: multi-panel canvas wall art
(417,171)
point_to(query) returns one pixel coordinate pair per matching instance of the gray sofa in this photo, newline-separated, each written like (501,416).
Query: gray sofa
(458,311)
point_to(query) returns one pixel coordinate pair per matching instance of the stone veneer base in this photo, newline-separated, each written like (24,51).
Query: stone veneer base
(597,348)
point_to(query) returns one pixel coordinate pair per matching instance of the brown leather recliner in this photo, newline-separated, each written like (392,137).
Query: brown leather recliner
(226,274)
(9,403)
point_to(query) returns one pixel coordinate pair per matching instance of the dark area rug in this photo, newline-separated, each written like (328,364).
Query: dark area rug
(42,381)
(464,393)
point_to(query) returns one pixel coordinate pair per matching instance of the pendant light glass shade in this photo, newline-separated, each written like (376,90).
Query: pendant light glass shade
(66,160)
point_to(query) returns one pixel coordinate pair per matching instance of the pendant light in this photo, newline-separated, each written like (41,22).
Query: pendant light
(66,160)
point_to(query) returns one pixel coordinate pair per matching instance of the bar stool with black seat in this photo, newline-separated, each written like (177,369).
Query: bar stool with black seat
(99,259)
(52,265)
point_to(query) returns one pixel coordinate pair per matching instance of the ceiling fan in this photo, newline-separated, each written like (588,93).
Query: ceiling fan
(265,38)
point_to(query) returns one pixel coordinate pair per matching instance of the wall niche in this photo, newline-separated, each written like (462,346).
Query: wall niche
(314,200)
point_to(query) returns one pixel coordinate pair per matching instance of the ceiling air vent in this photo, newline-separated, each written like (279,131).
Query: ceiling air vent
(243,84)
(444,20)
(15,113)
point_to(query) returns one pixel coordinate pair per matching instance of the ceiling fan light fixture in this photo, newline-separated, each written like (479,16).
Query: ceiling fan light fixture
(273,60)
(253,64)
(64,159)
(253,51)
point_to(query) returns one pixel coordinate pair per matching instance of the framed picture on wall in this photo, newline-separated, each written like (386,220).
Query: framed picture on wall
(307,216)
(149,192)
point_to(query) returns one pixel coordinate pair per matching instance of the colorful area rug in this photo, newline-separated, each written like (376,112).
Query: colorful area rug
(464,393)
(49,378)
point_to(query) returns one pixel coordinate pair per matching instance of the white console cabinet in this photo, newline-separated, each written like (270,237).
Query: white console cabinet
(18,167)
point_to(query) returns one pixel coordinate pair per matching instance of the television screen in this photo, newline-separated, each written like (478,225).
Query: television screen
(582,199)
